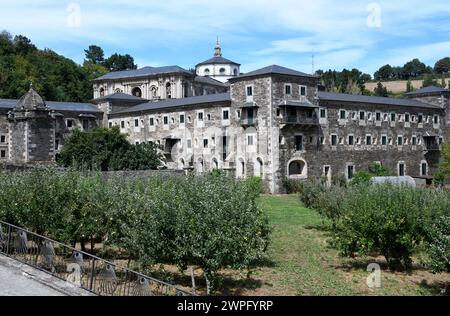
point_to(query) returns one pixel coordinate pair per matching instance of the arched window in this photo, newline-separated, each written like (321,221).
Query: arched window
(298,169)
(118,90)
(137,92)
(169,90)
(235,72)
(207,72)
(102,92)
(222,71)
(154,92)
(259,168)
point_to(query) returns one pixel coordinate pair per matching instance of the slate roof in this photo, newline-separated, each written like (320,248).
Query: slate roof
(30,101)
(218,60)
(119,96)
(143,72)
(342,97)
(211,81)
(274,69)
(9,104)
(427,90)
(173,103)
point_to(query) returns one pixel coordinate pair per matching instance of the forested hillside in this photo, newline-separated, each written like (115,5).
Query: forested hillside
(55,77)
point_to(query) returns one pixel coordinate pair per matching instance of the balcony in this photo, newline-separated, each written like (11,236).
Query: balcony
(300,120)
(249,121)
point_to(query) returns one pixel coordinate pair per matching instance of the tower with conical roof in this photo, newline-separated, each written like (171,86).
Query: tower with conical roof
(32,131)
(218,67)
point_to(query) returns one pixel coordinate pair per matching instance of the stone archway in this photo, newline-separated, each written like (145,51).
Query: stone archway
(298,169)
(137,92)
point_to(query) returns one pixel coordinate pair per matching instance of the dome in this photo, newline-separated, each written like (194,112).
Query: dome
(30,101)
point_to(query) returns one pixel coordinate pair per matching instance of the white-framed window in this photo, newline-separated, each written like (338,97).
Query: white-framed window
(414,140)
(151,121)
(342,114)
(182,118)
(166,120)
(3,154)
(334,140)
(362,115)
(351,140)
(378,116)
(400,140)
(2,139)
(424,168)
(369,140)
(200,116)
(287,89)
(384,140)
(136,122)
(350,171)
(70,123)
(303,91)
(205,143)
(401,169)
(323,113)
(249,93)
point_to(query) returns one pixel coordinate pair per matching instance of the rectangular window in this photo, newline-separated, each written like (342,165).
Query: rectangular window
(205,143)
(122,124)
(85,124)
(369,140)
(200,116)
(378,116)
(343,114)
(420,119)
(303,91)
(3,154)
(166,120)
(392,117)
(401,169)
(3,139)
(424,169)
(299,142)
(152,121)
(136,123)
(110,124)
(249,91)
(436,120)
(362,115)
(226,115)
(414,141)
(400,140)
(288,89)
(333,140)
(182,119)
(69,123)
(250,140)
(350,172)
(351,140)
(407,118)
(323,113)
(384,140)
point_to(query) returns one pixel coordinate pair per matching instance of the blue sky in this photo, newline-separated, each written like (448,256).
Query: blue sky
(255,33)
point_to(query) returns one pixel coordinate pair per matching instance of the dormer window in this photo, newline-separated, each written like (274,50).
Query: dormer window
(207,72)
(222,71)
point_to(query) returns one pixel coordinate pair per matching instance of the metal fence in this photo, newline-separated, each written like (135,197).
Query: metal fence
(79,268)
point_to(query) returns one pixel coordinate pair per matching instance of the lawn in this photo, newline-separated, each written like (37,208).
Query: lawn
(300,262)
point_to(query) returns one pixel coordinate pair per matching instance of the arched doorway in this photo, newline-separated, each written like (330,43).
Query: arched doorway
(137,92)
(298,169)
(259,168)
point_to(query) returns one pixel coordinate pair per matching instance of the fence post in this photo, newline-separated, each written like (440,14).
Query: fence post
(91,281)
(9,240)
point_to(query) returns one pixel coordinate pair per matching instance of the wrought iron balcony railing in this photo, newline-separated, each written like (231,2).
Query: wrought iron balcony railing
(79,268)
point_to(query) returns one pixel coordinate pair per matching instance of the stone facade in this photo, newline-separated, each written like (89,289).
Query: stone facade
(277,124)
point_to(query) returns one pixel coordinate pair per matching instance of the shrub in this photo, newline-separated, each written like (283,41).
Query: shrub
(438,245)
(254,185)
(292,186)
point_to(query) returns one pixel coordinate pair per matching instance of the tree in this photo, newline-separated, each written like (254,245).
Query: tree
(120,62)
(95,54)
(428,81)
(380,90)
(384,73)
(409,86)
(415,68)
(442,66)
(107,149)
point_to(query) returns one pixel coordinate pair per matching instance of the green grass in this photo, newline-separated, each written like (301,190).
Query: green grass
(302,263)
